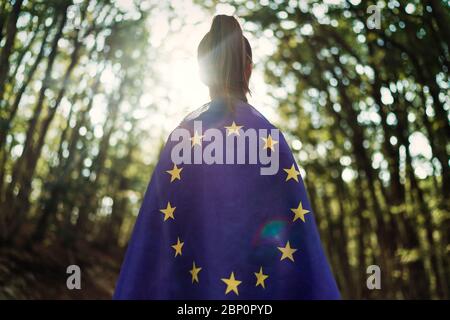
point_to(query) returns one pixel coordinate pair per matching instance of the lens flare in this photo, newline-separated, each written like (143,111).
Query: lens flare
(272,231)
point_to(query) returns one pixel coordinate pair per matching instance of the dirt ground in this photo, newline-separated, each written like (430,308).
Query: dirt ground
(40,273)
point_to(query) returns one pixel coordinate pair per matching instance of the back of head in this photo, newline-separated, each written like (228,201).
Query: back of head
(224,56)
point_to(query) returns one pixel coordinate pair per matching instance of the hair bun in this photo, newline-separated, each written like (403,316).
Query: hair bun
(224,27)
(224,22)
(224,56)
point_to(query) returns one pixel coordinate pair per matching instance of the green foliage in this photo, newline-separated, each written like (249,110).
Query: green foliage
(354,101)
(366,112)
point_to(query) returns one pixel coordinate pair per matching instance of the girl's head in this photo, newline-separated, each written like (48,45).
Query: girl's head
(225,59)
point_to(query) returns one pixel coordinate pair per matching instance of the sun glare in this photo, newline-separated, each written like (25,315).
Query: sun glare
(174,86)
(178,69)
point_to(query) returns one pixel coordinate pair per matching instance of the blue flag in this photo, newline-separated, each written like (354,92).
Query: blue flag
(226,216)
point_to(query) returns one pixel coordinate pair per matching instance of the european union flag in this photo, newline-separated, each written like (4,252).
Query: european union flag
(217,224)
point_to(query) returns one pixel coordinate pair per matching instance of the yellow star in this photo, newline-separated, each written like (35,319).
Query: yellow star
(232,284)
(299,212)
(269,143)
(174,173)
(178,246)
(233,129)
(260,278)
(287,252)
(292,173)
(194,272)
(168,211)
(196,139)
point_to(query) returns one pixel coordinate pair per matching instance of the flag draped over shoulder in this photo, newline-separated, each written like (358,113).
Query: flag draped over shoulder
(224,231)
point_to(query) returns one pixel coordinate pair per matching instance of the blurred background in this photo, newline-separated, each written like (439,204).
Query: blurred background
(90,89)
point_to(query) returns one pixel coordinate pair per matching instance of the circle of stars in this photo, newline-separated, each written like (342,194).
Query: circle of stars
(287,252)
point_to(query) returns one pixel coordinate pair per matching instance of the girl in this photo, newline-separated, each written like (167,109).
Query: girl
(215,229)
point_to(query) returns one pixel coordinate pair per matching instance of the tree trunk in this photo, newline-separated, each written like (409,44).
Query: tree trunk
(57,190)
(11,31)
(4,129)
(12,204)
(89,203)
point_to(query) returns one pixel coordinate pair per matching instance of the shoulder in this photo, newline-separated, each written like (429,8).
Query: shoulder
(251,114)
(215,114)
(258,121)
(194,115)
